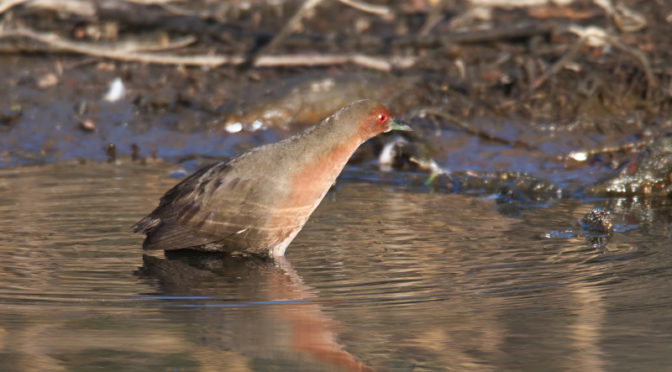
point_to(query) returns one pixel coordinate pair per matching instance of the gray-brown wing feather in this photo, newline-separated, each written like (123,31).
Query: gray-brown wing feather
(161,225)
(208,207)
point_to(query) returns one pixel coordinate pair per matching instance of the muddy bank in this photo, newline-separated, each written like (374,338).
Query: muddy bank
(564,94)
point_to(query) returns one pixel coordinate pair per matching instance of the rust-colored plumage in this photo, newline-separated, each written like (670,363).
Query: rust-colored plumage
(258,202)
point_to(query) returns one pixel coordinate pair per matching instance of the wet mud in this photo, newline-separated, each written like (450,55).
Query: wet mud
(530,104)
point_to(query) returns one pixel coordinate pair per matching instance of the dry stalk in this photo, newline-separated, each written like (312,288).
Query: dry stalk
(8,4)
(133,53)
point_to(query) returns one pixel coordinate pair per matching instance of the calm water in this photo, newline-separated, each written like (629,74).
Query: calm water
(383,277)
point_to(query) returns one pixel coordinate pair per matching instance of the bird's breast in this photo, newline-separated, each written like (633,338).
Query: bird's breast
(307,187)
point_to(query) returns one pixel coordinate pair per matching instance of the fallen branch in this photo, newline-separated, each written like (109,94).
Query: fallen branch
(376,63)
(499,34)
(598,37)
(477,132)
(132,54)
(583,155)
(76,7)
(122,54)
(307,6)
(151,2)
(559,65)
(434,17)
(286,29)
(380,10)
(146,46)
(8,4)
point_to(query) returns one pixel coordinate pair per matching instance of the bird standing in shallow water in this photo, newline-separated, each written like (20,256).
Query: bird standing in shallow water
(258,202)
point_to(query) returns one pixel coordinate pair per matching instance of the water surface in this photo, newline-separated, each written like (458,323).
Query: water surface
(383,277)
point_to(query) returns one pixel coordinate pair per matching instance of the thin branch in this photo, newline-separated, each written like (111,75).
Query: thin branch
(307,6)
(477,132)
(376,63)
(152,2)
(596,36)
(557,66)
(434,17)
(290,26)
(123,54)
(132,54)
(641,58)
(583,155)
(77,7)
(152,46)
(380,10)
(8,4)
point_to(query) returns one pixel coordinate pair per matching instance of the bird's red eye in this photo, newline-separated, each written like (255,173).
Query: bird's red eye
(382,117)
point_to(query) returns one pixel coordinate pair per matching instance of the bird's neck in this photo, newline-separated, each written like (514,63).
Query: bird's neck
(325,160)
(322,156)
(323,151)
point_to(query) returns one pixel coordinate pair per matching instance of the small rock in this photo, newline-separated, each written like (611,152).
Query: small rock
(87,125)
(48,80)
(111,151)
(648,174)
(234,127)
(116,91)
(135,152)
(11,114)
(598,220)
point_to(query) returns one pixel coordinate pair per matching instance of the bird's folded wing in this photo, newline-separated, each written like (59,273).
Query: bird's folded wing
(211,206)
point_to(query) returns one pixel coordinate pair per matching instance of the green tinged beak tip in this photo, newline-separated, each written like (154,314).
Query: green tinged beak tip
(397,125)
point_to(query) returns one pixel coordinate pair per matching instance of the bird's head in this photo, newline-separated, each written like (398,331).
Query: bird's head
(371,118)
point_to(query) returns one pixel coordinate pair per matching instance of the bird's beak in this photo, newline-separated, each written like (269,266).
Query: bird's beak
(395,124)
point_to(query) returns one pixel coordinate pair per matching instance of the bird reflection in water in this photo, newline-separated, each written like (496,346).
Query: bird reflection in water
(258,308)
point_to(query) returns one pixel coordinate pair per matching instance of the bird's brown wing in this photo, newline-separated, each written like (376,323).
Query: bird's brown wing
(208,207)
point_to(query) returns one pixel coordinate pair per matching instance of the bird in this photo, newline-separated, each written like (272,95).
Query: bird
(258,202)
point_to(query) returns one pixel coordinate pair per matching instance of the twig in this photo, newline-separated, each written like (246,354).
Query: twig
(133,55)
(8,4)
(376,63)
(380,10)
(498,34)
(286,29)
(641,58)
(596,36)
(145,46)
(477,132)
(583,155)
(307,6)
(557,66)
(151,2)
(77,7)
(434,17)
(626,19)
(122,55)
